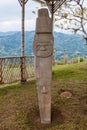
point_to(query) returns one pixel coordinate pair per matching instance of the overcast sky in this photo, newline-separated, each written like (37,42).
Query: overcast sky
(10,15)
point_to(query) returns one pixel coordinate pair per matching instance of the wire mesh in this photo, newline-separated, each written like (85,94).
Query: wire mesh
(29,60)
(10,69)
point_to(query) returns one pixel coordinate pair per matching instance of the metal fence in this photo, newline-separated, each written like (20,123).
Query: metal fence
(10,68)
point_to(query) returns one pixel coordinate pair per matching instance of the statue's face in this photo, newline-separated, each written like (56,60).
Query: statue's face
(43,49)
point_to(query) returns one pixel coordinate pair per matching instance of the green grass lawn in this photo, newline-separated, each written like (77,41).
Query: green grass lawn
(19,106)
(71,71)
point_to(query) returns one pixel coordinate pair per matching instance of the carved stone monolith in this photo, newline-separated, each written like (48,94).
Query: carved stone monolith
(43,50)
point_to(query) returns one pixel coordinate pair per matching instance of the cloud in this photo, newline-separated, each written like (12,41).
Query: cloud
(16,25)
(10,15)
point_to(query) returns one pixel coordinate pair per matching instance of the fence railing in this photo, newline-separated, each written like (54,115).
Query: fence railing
(10,68)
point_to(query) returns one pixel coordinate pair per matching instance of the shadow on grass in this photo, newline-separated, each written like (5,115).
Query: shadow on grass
(57,117)
(33,118)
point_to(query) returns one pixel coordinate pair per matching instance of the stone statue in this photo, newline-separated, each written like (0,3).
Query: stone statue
(43,50)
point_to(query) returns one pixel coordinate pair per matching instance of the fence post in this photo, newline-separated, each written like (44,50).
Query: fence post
(78,59)
(0,71)
(23,78)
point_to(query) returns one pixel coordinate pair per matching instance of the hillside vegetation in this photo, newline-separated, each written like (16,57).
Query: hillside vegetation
(19,106)
(10,44)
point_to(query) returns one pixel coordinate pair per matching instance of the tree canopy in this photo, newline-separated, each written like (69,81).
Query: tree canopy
(73,16)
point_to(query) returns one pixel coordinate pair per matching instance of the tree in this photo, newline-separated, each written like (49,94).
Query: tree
(73,16)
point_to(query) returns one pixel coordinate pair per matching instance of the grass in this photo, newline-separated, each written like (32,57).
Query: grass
(71,71)
(19,106)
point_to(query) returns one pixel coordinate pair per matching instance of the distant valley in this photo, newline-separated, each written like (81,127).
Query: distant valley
(10,44)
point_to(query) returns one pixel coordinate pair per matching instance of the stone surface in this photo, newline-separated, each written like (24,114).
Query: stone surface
(43,46)
(43,50)
(44,22)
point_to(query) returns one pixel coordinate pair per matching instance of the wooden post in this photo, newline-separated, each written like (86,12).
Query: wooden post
(23,70)
(0,71)
(23,78)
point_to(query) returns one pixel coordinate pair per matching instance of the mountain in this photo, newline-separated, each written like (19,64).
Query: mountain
(10,44)
(73,44)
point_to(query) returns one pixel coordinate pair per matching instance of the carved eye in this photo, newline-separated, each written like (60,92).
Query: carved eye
(38,47)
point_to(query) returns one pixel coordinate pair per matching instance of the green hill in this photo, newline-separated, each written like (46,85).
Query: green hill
(10,44)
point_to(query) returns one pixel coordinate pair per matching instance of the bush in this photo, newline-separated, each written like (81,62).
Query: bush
(80,60)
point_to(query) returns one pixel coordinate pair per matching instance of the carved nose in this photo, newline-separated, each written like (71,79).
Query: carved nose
(43,48)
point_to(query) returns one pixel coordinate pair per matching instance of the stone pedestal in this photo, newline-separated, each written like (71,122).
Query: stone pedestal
(43,50)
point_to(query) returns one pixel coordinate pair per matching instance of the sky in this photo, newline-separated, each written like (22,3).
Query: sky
(10,15)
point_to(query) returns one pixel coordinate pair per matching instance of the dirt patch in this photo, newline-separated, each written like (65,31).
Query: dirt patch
(85,112)
(57,116)
(34,121)
(83,101)
(34,118)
